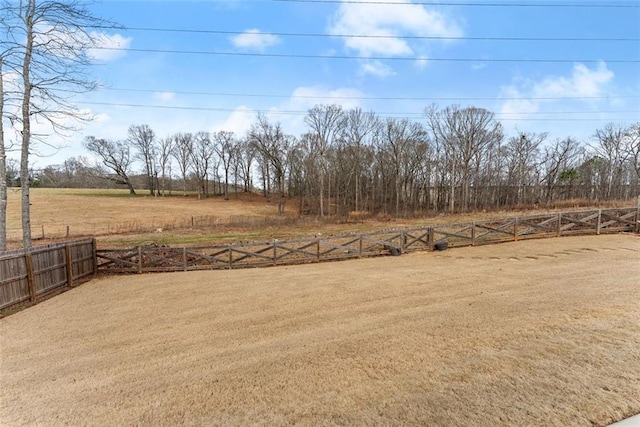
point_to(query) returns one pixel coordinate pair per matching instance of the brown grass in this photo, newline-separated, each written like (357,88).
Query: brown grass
(543,332)
(118,220)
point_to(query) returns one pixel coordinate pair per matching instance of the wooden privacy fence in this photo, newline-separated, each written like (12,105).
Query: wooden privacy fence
(394,241)
(27,276)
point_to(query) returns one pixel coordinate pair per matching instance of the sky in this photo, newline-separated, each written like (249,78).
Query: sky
(565,67)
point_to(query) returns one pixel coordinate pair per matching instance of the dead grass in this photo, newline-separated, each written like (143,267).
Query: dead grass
(119,220)
(543,332)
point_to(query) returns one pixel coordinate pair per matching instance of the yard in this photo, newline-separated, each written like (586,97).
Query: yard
(540,332)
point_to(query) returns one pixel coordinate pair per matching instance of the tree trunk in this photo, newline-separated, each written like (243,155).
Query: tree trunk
(3,171)
(26,128)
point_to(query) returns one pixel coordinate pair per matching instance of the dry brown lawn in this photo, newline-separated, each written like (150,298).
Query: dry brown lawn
(118,220)
(543,332)
(91,212)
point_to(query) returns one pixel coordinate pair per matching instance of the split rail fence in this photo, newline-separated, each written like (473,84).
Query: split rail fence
(144,259)
(29,276)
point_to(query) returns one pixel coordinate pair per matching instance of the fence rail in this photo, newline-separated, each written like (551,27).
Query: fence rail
(27,276)
(393,241)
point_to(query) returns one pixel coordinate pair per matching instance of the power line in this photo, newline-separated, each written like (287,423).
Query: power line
(369,36)
(380,58)
(474,4)
(401,114)
(379,98)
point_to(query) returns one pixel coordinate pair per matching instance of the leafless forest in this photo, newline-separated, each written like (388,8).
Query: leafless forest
(351,161)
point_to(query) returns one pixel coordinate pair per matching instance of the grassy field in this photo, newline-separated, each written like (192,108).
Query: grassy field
(118,220)
(543,332)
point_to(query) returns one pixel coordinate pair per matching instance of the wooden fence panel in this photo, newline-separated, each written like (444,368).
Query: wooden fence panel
(616,220)
(25,276)
(254,254)
(534,226)
(82,259)
(383,242)
(14,283)
(296,251)
(416,239)
(49,269)
(340,247)
(455,235)
(493,231)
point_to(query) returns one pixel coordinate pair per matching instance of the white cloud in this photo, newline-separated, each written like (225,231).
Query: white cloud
(401,18)
(164,96)
(106,42)
(238,122)
(528,95)
(254,39)
(583,82)
(306,97)
(376,68)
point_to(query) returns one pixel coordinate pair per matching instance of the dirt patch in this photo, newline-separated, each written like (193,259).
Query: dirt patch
(543,332)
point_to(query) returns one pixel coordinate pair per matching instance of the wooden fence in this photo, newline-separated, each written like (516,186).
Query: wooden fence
(27,276)
(393,241)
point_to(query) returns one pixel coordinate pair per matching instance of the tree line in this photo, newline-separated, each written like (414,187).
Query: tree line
(457,159)
(349,160)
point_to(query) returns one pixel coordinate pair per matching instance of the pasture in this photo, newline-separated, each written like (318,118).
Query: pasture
(538,332)
(118,220)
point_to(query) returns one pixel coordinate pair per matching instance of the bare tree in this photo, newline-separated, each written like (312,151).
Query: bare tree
(51,41)
(224,145)
(558,158)
(358,126)
(3,167)
(116,156)
(182,148)
(522,154)
(611,146)
(245,157)
(274,146)
(142,138)
(326,122)
(465,134)
(201,155)
(633,147)
(400,138)
(165,148)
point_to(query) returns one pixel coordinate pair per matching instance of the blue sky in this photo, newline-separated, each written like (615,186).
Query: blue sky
(396,75)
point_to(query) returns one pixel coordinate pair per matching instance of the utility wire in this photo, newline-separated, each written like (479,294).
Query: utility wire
(381,98)
(304,112)
(380,58)
(371,36)
(474,4)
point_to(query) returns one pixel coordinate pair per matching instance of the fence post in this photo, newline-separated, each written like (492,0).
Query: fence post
(559,227)
(515,229)
(184,258)
(473,233)
(230,258)
(318,248)
(360,246)
(69,262)
(28,260)
(275,252)
(598,221)
(139,259)
(430,238)
(403,241)
(94,248)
